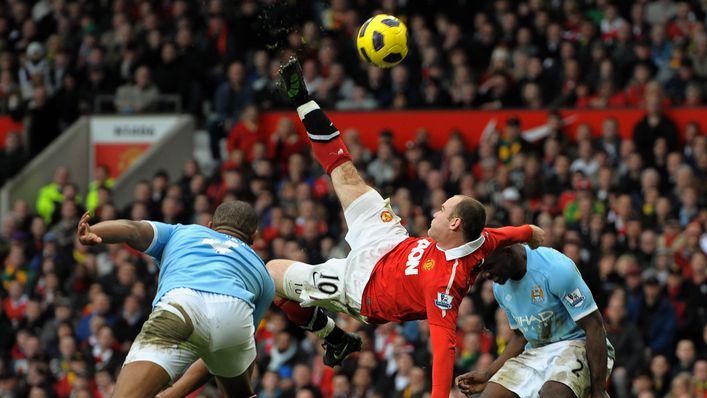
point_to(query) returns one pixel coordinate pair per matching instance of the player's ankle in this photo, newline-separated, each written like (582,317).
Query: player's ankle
(306,107)
(335,336)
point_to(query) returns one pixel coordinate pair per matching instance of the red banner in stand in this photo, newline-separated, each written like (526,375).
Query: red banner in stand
(472,124)
(119,141)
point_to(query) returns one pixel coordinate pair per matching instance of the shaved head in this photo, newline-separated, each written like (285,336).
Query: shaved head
(236,218)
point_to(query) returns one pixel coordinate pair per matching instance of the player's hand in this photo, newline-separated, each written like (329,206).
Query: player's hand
(537,237)
(472,382)
(86,237)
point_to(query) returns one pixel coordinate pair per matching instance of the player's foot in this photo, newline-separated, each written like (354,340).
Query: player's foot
(292,82)
(336,353)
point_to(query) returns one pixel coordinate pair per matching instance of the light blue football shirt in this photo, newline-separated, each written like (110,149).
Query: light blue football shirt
(547,301)
(199,258)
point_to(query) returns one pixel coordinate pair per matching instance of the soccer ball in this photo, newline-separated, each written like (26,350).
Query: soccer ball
(382,41)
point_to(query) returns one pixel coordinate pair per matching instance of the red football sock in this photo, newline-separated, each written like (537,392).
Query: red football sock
(298,315)
(327,145)
(312,318)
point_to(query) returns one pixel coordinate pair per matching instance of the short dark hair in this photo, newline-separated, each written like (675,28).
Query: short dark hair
(473,216)
(506,254)
(237,216)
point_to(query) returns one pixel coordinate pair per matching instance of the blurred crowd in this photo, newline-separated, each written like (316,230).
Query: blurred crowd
(631,213)
(60,59)
(632,220)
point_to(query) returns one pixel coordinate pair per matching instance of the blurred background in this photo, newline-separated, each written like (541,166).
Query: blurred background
(585,117)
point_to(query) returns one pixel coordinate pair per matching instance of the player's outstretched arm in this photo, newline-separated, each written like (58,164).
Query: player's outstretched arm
(533,235)
(474,382)
(537,236)
(136,234)
(597,352)
(444,341)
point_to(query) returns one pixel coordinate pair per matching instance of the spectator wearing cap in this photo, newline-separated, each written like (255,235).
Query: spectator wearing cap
(35,72)
(655,317)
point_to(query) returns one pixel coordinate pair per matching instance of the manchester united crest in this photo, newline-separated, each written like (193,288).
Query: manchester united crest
(386,216)
(428,265)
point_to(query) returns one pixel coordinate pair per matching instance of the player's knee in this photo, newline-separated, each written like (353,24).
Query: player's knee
(347,174)
(277,270)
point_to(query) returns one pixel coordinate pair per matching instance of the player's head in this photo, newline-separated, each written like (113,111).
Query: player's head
(505,263)
(236,218)
(461,217)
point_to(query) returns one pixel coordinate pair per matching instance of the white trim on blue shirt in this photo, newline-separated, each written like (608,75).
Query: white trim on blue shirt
(154,236)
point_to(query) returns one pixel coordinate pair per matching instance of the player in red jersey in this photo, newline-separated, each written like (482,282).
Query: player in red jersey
(388,276)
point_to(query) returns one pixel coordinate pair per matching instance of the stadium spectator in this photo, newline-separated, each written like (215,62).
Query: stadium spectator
(138,97)
(230,99)
(13,157)
(569,50)
(653,126)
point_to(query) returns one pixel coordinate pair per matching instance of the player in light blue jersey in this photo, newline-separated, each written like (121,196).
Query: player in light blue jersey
(559,348)
(212,292)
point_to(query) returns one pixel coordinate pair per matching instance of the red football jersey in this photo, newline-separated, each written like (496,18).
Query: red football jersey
(418,280)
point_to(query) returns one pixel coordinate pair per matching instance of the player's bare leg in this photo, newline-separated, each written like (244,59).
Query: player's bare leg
(555,389)
(348,183)
(330,151)
(140,379)
(494,390)
(339,344)
(327,146)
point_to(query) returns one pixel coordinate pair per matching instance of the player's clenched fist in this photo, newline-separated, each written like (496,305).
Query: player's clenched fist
(86,237)
(537,238)
(472,382)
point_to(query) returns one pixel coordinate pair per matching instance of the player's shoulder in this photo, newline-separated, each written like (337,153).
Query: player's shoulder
(187,228)
(550,262)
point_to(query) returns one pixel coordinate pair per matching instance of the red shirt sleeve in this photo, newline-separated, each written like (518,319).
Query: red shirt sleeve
(497,237)
(442,308)
(444,341)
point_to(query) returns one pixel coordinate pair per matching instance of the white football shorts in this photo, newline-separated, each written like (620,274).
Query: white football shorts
(187,324)
(338,284)
(564,362)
